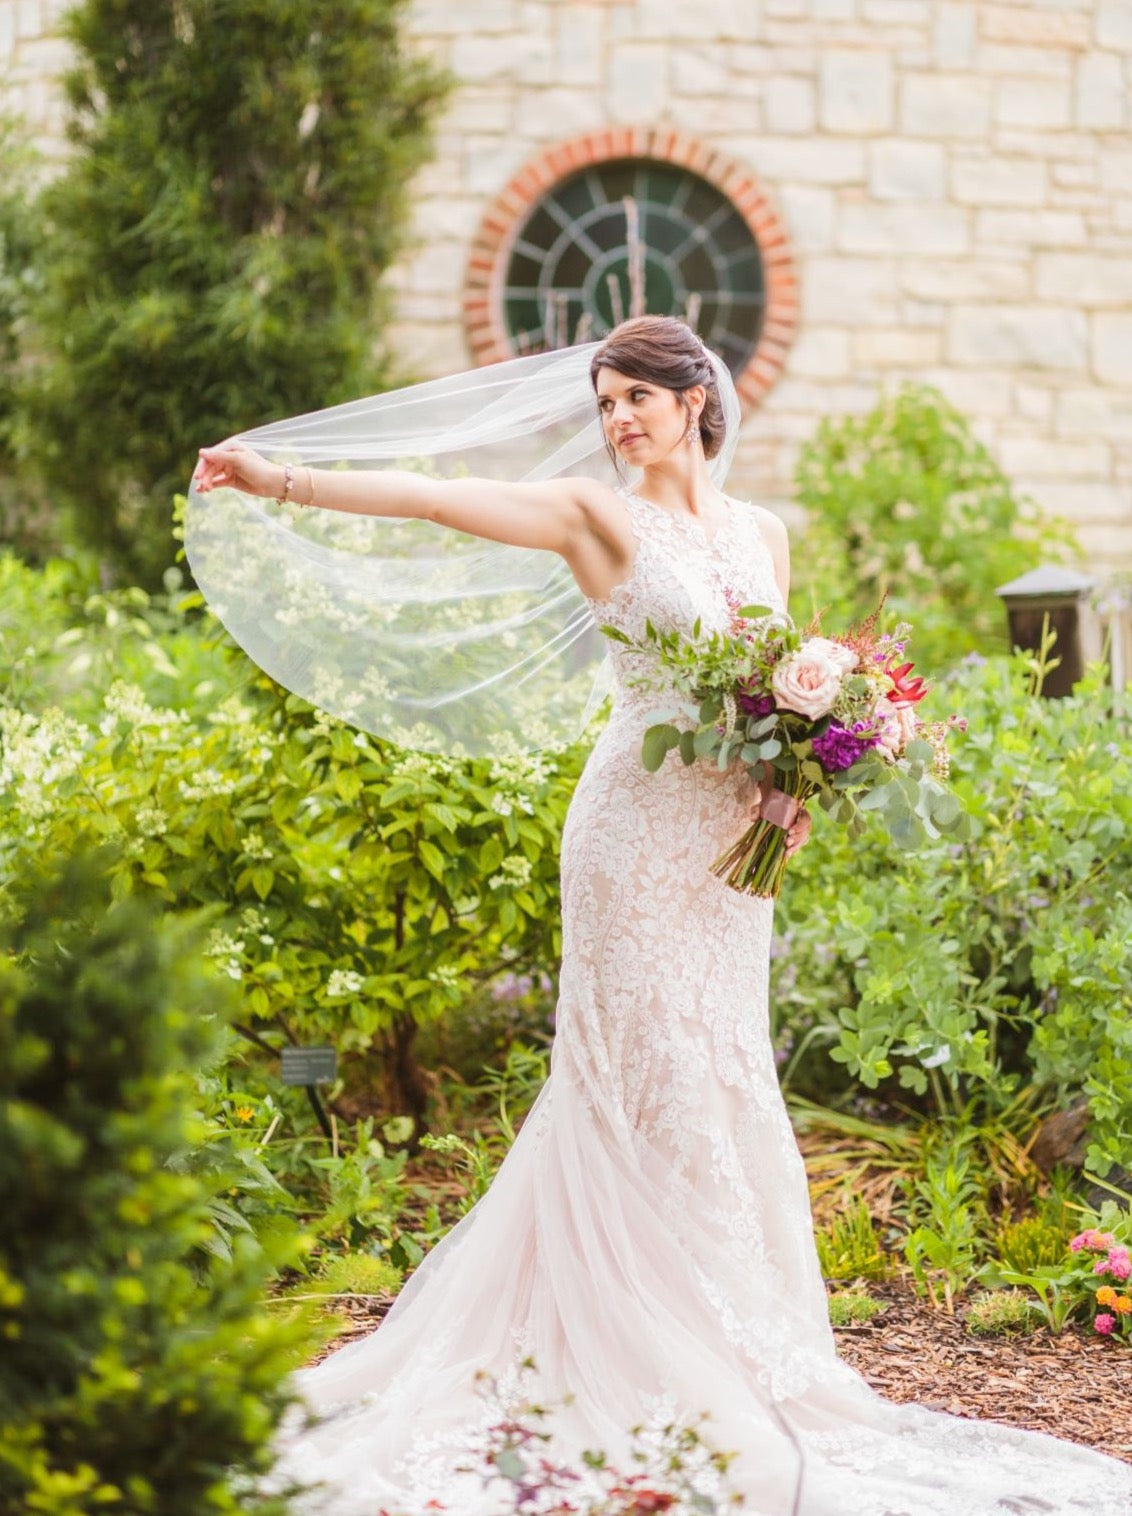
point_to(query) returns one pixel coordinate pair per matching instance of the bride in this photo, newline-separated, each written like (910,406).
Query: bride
(648,1241)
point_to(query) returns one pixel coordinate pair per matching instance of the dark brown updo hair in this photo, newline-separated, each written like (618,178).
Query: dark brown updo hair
(662,350)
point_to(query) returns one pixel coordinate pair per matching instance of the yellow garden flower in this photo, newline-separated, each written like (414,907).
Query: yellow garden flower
(245,1113)
(1106,1295)
(1122,1305)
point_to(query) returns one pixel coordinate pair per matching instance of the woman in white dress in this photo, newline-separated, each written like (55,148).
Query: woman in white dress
(648,1240)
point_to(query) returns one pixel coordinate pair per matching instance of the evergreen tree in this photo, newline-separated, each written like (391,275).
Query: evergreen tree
(134,1378)
(215,244)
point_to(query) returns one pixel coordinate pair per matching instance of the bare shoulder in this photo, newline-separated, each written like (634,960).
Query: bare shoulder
(772,527)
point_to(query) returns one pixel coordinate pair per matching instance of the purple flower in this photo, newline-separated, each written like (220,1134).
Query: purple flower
(755,705)
(839,747)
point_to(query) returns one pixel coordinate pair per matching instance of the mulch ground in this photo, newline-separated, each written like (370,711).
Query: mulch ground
(1075,1386)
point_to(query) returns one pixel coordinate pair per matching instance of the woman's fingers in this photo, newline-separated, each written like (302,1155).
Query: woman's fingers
(799,832)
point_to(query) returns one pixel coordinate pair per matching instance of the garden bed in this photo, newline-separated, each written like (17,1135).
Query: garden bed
(1073,1385)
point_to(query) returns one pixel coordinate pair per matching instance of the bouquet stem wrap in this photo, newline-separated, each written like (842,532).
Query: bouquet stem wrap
(756,863)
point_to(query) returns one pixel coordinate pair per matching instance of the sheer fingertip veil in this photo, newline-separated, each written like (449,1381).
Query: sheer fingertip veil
(427,637)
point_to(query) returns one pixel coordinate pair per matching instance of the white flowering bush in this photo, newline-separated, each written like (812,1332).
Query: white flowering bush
(360,891)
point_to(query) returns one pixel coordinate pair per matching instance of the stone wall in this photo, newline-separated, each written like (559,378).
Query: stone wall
(956,177)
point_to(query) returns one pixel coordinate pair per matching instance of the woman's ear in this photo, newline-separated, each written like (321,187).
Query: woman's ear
(696,397)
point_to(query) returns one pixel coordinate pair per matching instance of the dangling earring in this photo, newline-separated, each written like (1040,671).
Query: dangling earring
(693,434)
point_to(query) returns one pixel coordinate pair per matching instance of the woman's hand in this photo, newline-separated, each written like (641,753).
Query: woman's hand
(798,832)
(233,465)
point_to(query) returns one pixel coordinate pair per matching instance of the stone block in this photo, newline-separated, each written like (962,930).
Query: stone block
(638,85)
(1018,336)
(544,114)
(1089,279)
(579,44)
(1052,229)
(1094,412)
(717,116)
(833,10)
(998,181)
(1024,62)
(702,71)
(1035,404)
(488,163)
(1074,175)
(985,393)
(1088,501)
(896,348)
(907,228)
(1032,26)
(903,170)
(920,314)
(855,92)
(29,21)
(850,292)
(1114,24)
(434,348)
(7,31)
(526,59)
(815,160)
(964,279)
(436,267)
(449,17)
(481,110)
(1039,457)
(944,105)
(905,13)
(1032,102)
(953,35)
(1116,169)
(789,105)
(1100,97)
(808,214)
(819,353)
(1112,347)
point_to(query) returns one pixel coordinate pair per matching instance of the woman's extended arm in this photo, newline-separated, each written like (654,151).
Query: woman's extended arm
(553,514)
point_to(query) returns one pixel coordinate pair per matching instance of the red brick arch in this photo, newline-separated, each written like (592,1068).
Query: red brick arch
(491,248)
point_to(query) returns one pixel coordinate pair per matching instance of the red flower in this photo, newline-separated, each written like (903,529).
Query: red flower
(905,691)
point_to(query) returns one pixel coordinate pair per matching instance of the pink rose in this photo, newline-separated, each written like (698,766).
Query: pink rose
(1104,1324)
(842,657)
(807,682)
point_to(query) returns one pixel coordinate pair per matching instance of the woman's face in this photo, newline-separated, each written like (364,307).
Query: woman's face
(642,421)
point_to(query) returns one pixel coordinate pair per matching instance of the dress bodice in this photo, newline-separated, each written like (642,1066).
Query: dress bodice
(679,574)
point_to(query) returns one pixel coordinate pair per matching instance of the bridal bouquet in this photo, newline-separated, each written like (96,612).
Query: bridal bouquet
(813,715)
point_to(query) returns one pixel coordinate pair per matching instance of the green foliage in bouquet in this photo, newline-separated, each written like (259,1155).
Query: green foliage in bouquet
(136,1374)
(906,501)
(237,188)
(986,978)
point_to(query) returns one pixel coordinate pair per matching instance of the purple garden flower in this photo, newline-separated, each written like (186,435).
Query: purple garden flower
(839,747)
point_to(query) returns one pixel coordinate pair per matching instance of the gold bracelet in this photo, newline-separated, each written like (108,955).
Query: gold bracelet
(288,484)
(310,481)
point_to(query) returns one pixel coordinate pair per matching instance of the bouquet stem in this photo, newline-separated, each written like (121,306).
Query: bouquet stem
(756,863)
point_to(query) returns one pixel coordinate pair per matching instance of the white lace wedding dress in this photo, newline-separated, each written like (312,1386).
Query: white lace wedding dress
(648,1239)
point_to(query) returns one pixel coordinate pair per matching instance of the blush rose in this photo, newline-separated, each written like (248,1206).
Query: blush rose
(808,682)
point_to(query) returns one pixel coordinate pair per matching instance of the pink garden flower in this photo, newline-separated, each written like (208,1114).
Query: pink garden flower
(1105,1324)
(1092,1240)
(1119,1263)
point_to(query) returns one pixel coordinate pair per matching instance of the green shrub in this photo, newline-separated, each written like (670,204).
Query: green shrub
(848,1247)
(995,1313)
(993,978)
(906,500)
(237,187)
(366,890)
(853,1308)
(136,1375)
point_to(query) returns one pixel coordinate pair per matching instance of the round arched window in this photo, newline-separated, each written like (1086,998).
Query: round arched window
(627,221)
(635,235)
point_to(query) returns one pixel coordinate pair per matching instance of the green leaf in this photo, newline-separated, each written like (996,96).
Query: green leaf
(616,634)
(658,740)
